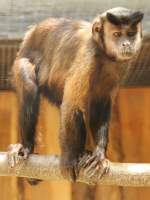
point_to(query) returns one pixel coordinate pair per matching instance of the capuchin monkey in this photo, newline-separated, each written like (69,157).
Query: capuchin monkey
(77,66)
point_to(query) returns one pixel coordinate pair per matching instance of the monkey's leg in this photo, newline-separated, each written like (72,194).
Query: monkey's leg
(99,123)
(28,120)
(28,113)
(72,140)
(28,98)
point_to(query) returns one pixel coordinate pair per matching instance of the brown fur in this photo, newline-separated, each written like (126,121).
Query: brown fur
(67,62)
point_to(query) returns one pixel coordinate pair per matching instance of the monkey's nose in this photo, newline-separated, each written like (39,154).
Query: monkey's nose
(126,44)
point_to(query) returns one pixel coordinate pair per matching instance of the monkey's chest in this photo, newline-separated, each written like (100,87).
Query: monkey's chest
(105,81)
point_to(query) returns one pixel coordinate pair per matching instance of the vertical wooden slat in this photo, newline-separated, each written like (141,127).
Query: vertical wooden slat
(14,139)
(8,135)
(82,191)
(134,109)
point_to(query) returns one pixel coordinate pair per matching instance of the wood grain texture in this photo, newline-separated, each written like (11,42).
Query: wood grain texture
(48,168)
(129,142)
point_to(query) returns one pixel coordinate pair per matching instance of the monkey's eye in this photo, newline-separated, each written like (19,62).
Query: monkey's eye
(131,33)
(117,34)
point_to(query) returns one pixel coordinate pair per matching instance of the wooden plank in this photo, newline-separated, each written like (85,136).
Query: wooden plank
(8,135)
(129,142)
(82,191)
(134,107)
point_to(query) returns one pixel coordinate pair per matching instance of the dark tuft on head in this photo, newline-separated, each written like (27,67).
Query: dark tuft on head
(123,16)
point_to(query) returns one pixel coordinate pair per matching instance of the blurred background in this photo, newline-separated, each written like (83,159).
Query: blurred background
(130,124)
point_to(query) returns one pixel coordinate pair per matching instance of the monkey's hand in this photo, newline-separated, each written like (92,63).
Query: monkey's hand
(16,152)
(95,165)
(69,168)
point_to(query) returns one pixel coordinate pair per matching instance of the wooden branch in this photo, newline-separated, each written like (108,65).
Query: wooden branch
(47,168)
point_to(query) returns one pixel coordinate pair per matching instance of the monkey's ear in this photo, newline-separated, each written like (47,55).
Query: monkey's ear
(137,17)
(96,28)
(112,18)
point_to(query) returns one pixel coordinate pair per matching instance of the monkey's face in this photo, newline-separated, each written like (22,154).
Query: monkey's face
(118,32)
(122,42)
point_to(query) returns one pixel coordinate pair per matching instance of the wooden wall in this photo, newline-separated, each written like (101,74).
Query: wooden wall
(129,142)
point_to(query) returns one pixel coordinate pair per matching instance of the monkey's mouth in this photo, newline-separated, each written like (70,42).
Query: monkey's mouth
(127,53)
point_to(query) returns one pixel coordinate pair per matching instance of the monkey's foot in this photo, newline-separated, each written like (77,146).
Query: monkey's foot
(95,166)
(69,169)
(16,152)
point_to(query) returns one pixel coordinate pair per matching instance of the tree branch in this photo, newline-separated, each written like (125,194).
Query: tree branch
(47,168)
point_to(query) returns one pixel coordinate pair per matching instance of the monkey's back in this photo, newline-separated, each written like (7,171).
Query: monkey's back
(53,46)
(63,43)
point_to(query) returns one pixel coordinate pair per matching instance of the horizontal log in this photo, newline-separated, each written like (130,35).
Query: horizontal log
(46,167)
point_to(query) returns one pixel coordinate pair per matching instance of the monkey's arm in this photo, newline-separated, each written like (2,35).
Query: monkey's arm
(100,127)
(72,126)
(99,123)
(72,139)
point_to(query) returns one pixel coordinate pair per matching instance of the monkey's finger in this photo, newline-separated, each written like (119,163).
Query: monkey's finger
(106,165)
(14,159)
(104,168)
(17,158)
(89,161)
(83,160)
(11,161)
(91,166)
(101,173)
(93,169)
(98,168)
(94,172)
(14,148)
